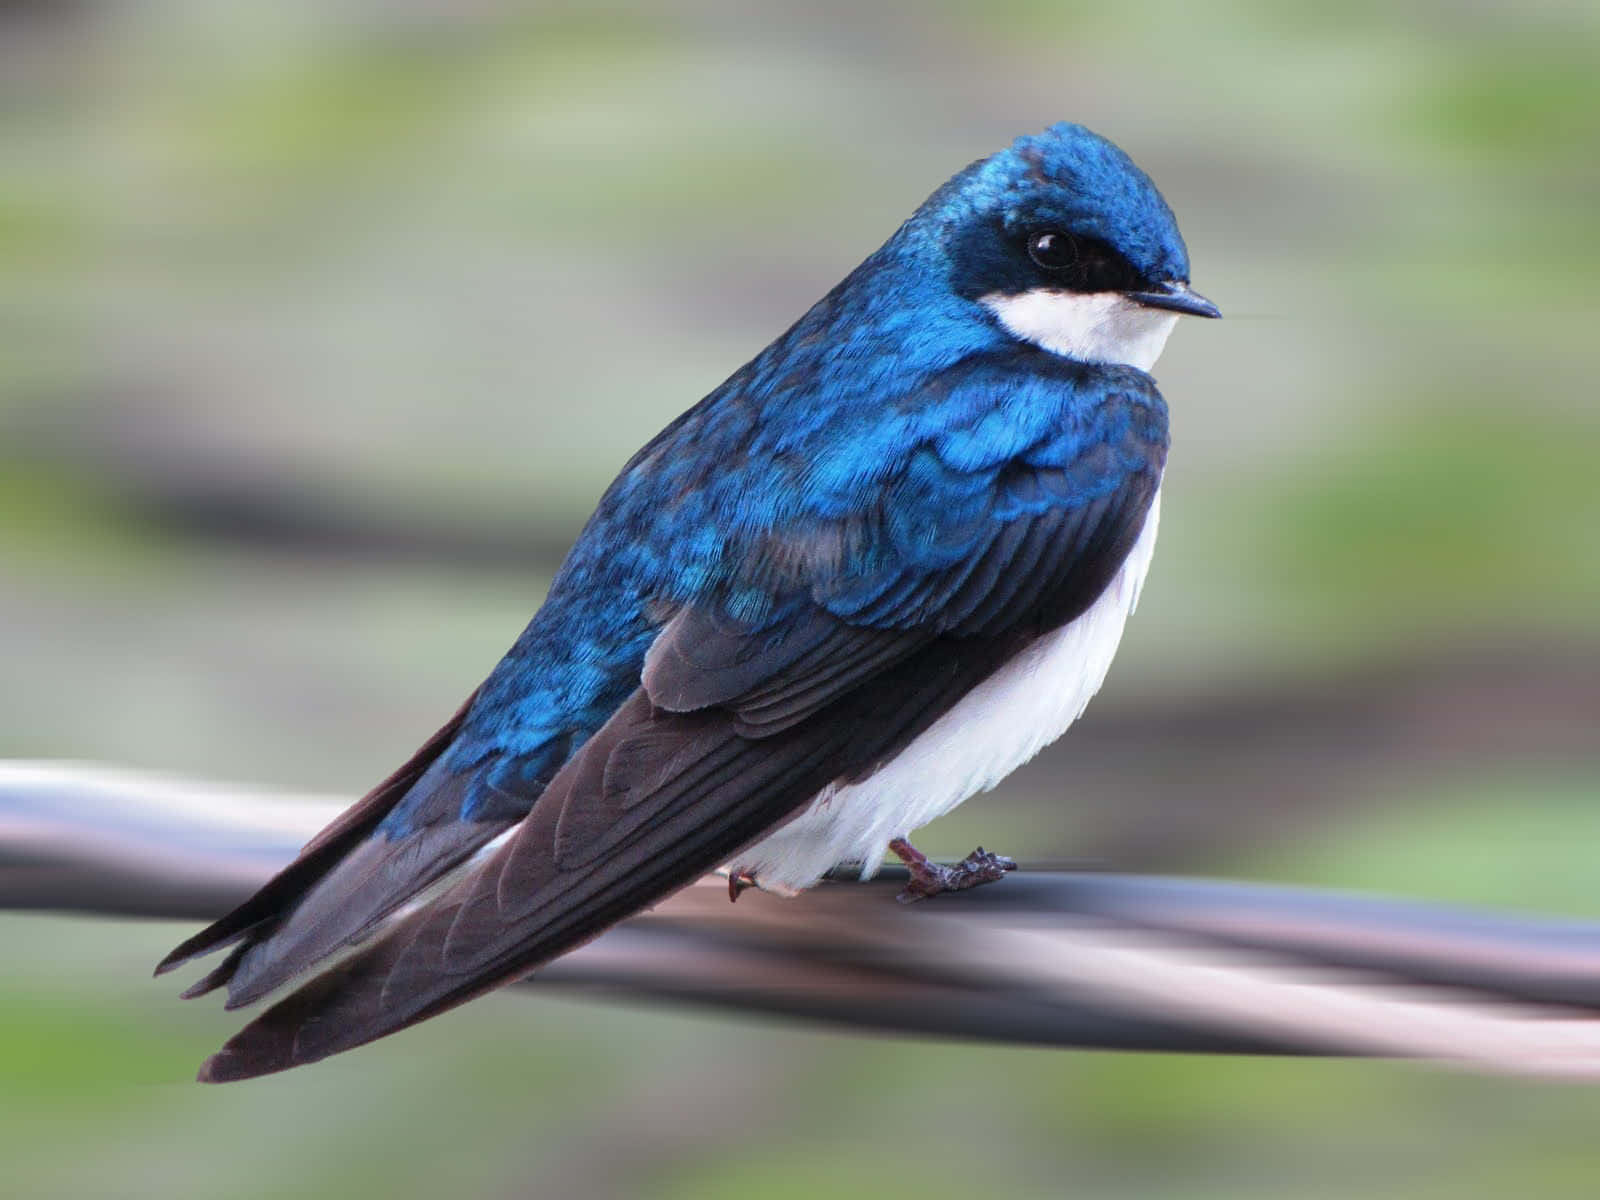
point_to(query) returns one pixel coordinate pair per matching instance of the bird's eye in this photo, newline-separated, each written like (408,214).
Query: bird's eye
(1053,251)
(1082,264)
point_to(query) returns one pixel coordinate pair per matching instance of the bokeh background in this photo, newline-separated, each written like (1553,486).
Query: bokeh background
(322,326)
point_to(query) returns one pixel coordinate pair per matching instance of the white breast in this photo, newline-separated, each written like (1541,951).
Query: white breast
(991,731)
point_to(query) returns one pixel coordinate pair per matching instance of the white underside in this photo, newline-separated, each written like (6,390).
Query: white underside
(990,732)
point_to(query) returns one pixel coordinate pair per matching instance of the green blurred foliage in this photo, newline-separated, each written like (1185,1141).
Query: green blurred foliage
(1427,532)
(444,267)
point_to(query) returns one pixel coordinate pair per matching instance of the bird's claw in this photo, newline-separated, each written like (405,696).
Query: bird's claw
(739,882)
(930,878)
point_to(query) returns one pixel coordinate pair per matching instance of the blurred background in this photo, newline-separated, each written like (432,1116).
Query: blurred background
(323,325)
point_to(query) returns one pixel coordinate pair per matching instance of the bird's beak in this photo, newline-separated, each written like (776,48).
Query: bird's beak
(1178,298)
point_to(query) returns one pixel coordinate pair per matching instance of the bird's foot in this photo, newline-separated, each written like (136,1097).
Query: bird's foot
(929,878)
(739,882)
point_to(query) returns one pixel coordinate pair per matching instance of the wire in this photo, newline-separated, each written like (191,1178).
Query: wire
(1044,957)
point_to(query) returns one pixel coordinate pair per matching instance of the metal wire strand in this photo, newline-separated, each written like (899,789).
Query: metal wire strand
(1045,957)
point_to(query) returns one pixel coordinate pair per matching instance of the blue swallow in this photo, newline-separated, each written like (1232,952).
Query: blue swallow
(876,570)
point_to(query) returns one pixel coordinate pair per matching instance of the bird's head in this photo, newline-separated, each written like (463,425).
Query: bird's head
(1067,245)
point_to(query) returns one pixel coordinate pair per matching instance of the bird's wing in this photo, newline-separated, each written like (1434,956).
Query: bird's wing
(743,715)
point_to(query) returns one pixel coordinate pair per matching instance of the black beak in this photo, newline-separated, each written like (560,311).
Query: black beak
(1178,298)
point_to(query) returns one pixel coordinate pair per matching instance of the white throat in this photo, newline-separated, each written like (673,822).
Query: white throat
(1097,327)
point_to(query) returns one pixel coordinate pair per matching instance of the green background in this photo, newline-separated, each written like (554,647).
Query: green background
(322,326)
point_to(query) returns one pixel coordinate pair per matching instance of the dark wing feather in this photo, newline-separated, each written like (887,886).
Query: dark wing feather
(776,673)
(354,875)
(285,889)
(374,878)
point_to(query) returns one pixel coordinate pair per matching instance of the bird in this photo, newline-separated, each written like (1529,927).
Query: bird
(876,570)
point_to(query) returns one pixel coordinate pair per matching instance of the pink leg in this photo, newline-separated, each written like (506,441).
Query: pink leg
(929,878)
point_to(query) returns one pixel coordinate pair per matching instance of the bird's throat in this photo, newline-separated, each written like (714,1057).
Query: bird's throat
(1097,327)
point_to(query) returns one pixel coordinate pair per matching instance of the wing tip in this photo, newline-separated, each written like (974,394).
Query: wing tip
(266,1046)
(276,1040)
(216,1069)
(234,1064)
(254,1051)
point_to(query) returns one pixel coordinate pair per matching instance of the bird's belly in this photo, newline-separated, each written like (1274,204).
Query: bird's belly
(990,732)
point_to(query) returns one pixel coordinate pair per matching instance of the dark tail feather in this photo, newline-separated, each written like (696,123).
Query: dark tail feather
(284,891)
(364,888)
(217,976)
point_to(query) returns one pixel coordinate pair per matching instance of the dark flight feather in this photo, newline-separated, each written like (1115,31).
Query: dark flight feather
(320,855)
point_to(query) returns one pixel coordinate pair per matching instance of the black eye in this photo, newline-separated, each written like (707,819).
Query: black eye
(1082,264)
(1053,251)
